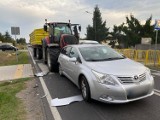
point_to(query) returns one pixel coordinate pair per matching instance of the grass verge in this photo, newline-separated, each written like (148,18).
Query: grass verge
(11,108)
(9,58)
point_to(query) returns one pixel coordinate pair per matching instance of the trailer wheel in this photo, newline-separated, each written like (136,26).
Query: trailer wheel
(34,52)
(39,53)
(52,57)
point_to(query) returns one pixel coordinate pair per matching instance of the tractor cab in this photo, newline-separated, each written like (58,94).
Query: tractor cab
(63,33)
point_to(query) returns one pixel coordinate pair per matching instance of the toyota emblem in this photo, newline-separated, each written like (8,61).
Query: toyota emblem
(136,77)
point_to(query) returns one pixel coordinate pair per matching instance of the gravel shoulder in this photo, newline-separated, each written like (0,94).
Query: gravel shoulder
(31,101)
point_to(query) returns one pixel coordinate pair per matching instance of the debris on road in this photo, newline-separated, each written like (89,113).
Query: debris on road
(66,101)
(41,74)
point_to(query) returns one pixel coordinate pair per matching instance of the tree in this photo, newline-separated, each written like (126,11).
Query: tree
(119,35)
(1,37)
(132,30)
(21,41)
(98,31)
(7,38)
(90,33)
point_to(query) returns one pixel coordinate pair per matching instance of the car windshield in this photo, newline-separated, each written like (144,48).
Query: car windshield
(99,53)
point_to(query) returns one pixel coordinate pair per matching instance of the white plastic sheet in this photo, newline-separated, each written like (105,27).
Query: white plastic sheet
(41,74)
(66,101)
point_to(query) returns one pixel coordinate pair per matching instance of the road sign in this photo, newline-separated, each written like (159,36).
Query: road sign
(15,30)
(157,25)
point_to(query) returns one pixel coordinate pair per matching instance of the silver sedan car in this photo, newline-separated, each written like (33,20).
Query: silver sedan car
(105,75)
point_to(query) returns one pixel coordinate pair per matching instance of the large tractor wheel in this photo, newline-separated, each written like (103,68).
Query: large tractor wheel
(39,53)
(52,57)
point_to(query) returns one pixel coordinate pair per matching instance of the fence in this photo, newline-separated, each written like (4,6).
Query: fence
(147,57)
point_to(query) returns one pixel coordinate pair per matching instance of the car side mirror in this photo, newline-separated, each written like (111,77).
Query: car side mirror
(74,59)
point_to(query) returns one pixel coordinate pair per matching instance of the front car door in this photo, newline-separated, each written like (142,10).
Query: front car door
(74,67)
(64,58)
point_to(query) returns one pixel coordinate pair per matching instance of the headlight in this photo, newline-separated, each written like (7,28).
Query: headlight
(104,78)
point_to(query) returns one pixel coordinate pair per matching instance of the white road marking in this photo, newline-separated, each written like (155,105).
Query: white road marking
(157,92)
(154,70)
(54,110)
(32,57)
(157,74)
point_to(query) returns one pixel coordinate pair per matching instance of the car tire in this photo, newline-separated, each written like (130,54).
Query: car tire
(85,89)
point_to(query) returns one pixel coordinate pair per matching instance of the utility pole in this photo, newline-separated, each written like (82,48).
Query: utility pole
(15,31)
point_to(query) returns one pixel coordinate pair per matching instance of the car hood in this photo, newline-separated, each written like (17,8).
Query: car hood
(117,67)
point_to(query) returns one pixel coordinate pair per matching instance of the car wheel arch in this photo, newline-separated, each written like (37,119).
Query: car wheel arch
(82,77)
(79,80)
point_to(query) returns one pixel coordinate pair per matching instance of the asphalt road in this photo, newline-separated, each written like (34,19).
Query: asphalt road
(61,87)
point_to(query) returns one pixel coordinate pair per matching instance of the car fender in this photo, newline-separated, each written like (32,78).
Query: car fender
(90,78)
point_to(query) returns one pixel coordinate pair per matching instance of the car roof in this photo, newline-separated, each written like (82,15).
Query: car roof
(85,45)
(88,42)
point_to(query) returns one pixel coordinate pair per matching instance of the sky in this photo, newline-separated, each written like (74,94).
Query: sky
(31,14)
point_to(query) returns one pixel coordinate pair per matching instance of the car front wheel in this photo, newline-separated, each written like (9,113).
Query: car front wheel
(85,89)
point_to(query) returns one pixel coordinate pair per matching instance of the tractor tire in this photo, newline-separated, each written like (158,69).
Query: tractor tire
(34,52)
(52,58)
(39,53)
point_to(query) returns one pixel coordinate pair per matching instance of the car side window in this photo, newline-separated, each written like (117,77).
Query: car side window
(66,51)
(73,53)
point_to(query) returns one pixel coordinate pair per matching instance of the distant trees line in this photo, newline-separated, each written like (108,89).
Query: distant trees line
(6,38)
(128,33)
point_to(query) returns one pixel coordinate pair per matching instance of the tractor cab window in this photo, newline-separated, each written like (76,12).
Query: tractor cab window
(61,29)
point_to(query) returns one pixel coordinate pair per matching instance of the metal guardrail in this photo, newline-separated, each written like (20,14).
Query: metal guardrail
(146,57)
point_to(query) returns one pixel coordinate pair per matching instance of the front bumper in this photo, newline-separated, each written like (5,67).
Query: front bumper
(110,100)
(123,93)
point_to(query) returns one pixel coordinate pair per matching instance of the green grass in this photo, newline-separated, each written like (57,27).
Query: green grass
(9,58)
(11,107)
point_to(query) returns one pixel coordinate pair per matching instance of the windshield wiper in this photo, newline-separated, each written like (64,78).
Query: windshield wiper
(106,59)
(112,58)
(92,60)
